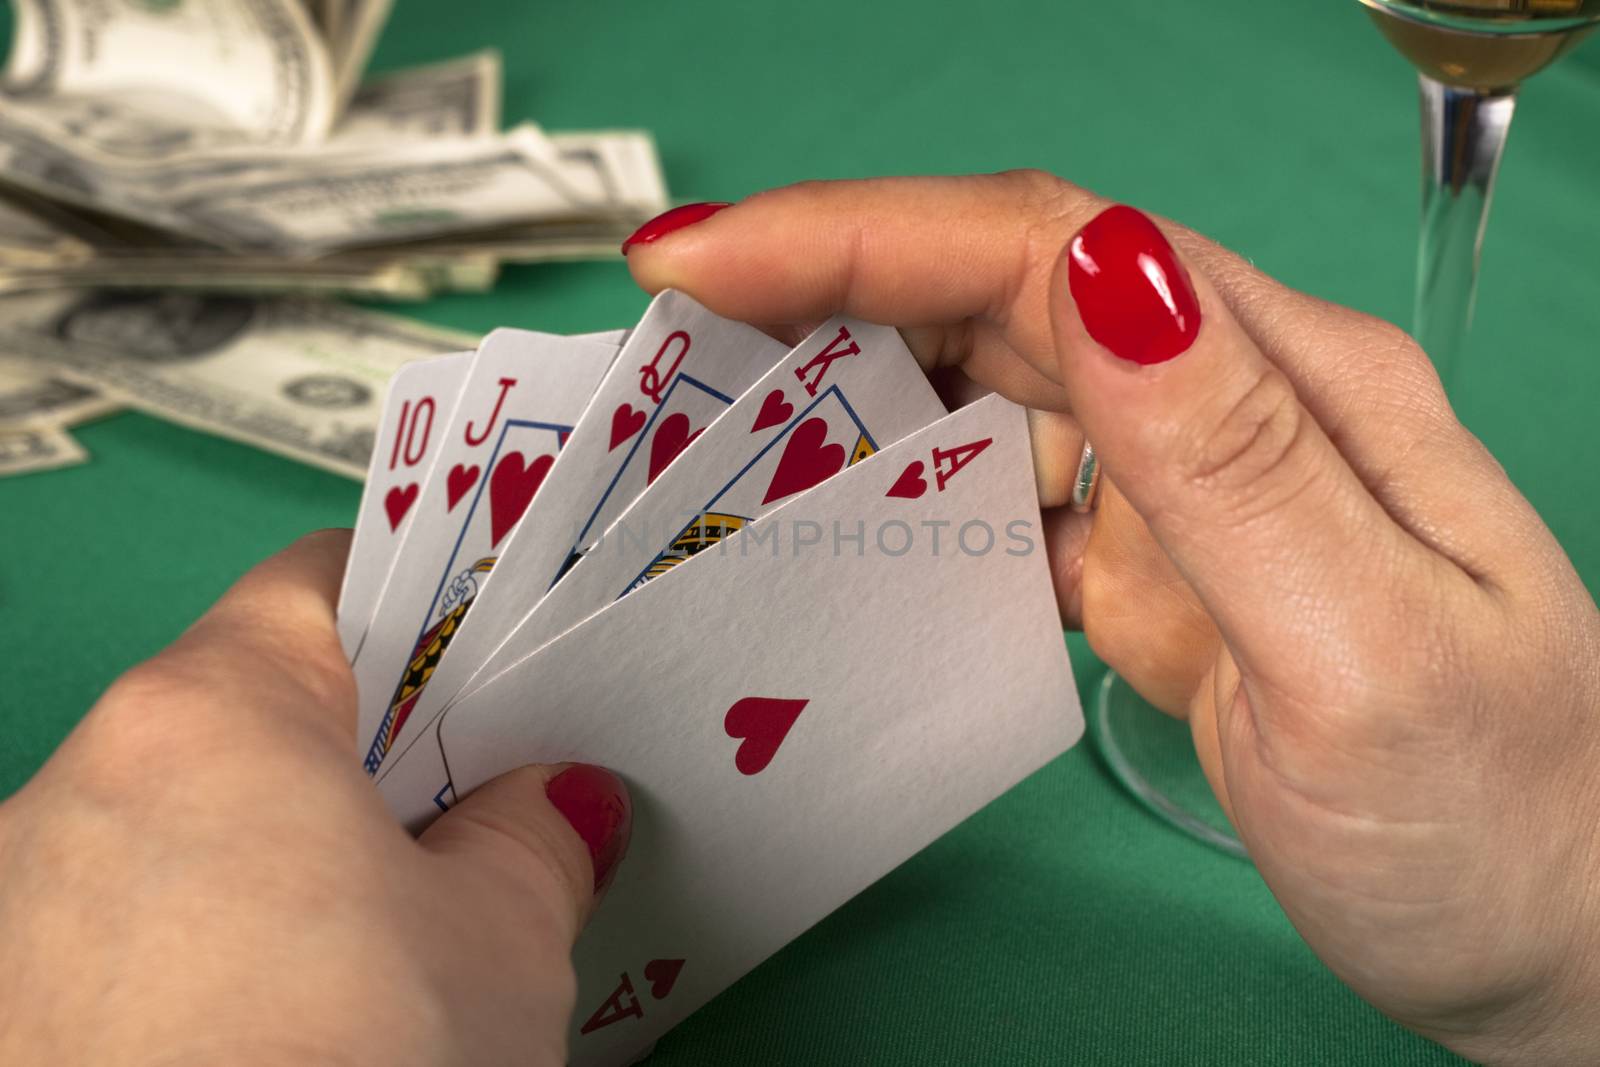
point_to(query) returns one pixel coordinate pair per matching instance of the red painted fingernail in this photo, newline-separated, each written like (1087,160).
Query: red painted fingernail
(1132,293)
(596,803)
(673,219)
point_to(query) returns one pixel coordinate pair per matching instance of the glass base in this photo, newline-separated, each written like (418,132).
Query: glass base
(1152,755)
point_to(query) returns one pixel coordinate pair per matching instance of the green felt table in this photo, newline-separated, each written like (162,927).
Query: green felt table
(1062,923)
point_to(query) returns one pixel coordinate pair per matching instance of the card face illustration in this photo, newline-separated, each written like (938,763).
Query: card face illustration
(772,754)
(831,401)
(834,400)
(422,397)
(681,367)
(521,396)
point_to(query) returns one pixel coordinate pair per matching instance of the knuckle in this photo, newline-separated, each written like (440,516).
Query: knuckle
(1246,455)
(319,669)
(1046,212)
(1051,205)
(1379,335)
(1367,347)
(133,727)
(1391,347)
(270,631)
(154,679)
(1035,187)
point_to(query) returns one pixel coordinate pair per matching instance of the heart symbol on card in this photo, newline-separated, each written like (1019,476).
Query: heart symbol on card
(457,482)
(625,422)
(672,437)
(807,460)
(511,489)
(662,976)
(397,502)
(774,409)
(762,723)
(911,484)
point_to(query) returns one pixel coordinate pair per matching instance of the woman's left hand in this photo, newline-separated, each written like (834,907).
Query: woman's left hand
(203,874)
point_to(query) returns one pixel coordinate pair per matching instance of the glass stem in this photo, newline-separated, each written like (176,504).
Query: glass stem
(1463,136)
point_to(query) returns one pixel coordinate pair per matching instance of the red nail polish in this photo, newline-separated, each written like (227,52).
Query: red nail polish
(673,219)
(1133,295)
(596,803)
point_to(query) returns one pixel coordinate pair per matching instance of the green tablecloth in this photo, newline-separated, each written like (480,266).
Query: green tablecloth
(1063,923)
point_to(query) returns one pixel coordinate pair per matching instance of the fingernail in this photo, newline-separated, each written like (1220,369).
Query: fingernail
(1133,295)
(595,802)
(673,219)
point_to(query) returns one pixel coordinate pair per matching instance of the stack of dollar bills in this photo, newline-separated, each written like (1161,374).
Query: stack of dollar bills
(184,182)
(232,145)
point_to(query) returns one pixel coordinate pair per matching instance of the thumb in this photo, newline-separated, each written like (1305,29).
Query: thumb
(555,833)
(1206,437)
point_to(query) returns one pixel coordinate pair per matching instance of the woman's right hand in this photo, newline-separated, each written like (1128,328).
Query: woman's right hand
(1391,670)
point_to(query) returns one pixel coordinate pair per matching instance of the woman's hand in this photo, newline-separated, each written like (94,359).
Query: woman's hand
(1391,670)
(202,874)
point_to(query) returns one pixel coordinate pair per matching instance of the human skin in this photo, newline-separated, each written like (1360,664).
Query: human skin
(1390,668)
(202,874)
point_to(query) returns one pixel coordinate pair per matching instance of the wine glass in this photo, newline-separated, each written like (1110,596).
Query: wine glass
(1470,55)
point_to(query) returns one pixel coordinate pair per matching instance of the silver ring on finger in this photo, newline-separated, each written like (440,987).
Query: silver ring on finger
(1086,483)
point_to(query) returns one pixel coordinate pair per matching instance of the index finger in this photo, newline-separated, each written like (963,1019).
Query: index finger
(974,255)
(900,251)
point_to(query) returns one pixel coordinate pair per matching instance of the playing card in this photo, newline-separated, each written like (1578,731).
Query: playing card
(845,391)
(422,397)
(614,338)
(521,396)
(420,400)
(796,712)
(682,366)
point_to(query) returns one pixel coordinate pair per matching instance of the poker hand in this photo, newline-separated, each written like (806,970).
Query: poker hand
(202,873)
(1390,668)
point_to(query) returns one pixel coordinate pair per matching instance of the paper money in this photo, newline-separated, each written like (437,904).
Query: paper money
(624,165)
(327,16)
(456,98)
(360,25)
(27,238)
(251,72)
(260,162)
(303,378)
(32,394)
(420,190)
(25,449)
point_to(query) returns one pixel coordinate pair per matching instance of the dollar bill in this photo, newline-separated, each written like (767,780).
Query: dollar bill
(418,190)
(25,449)
(363,20)
(327,16)
(29,239)
(174,77)
(455,100)
(300,377)
(33,394)
(376,278)
(458,98)
(45,163)
(260,162)
(625,166)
